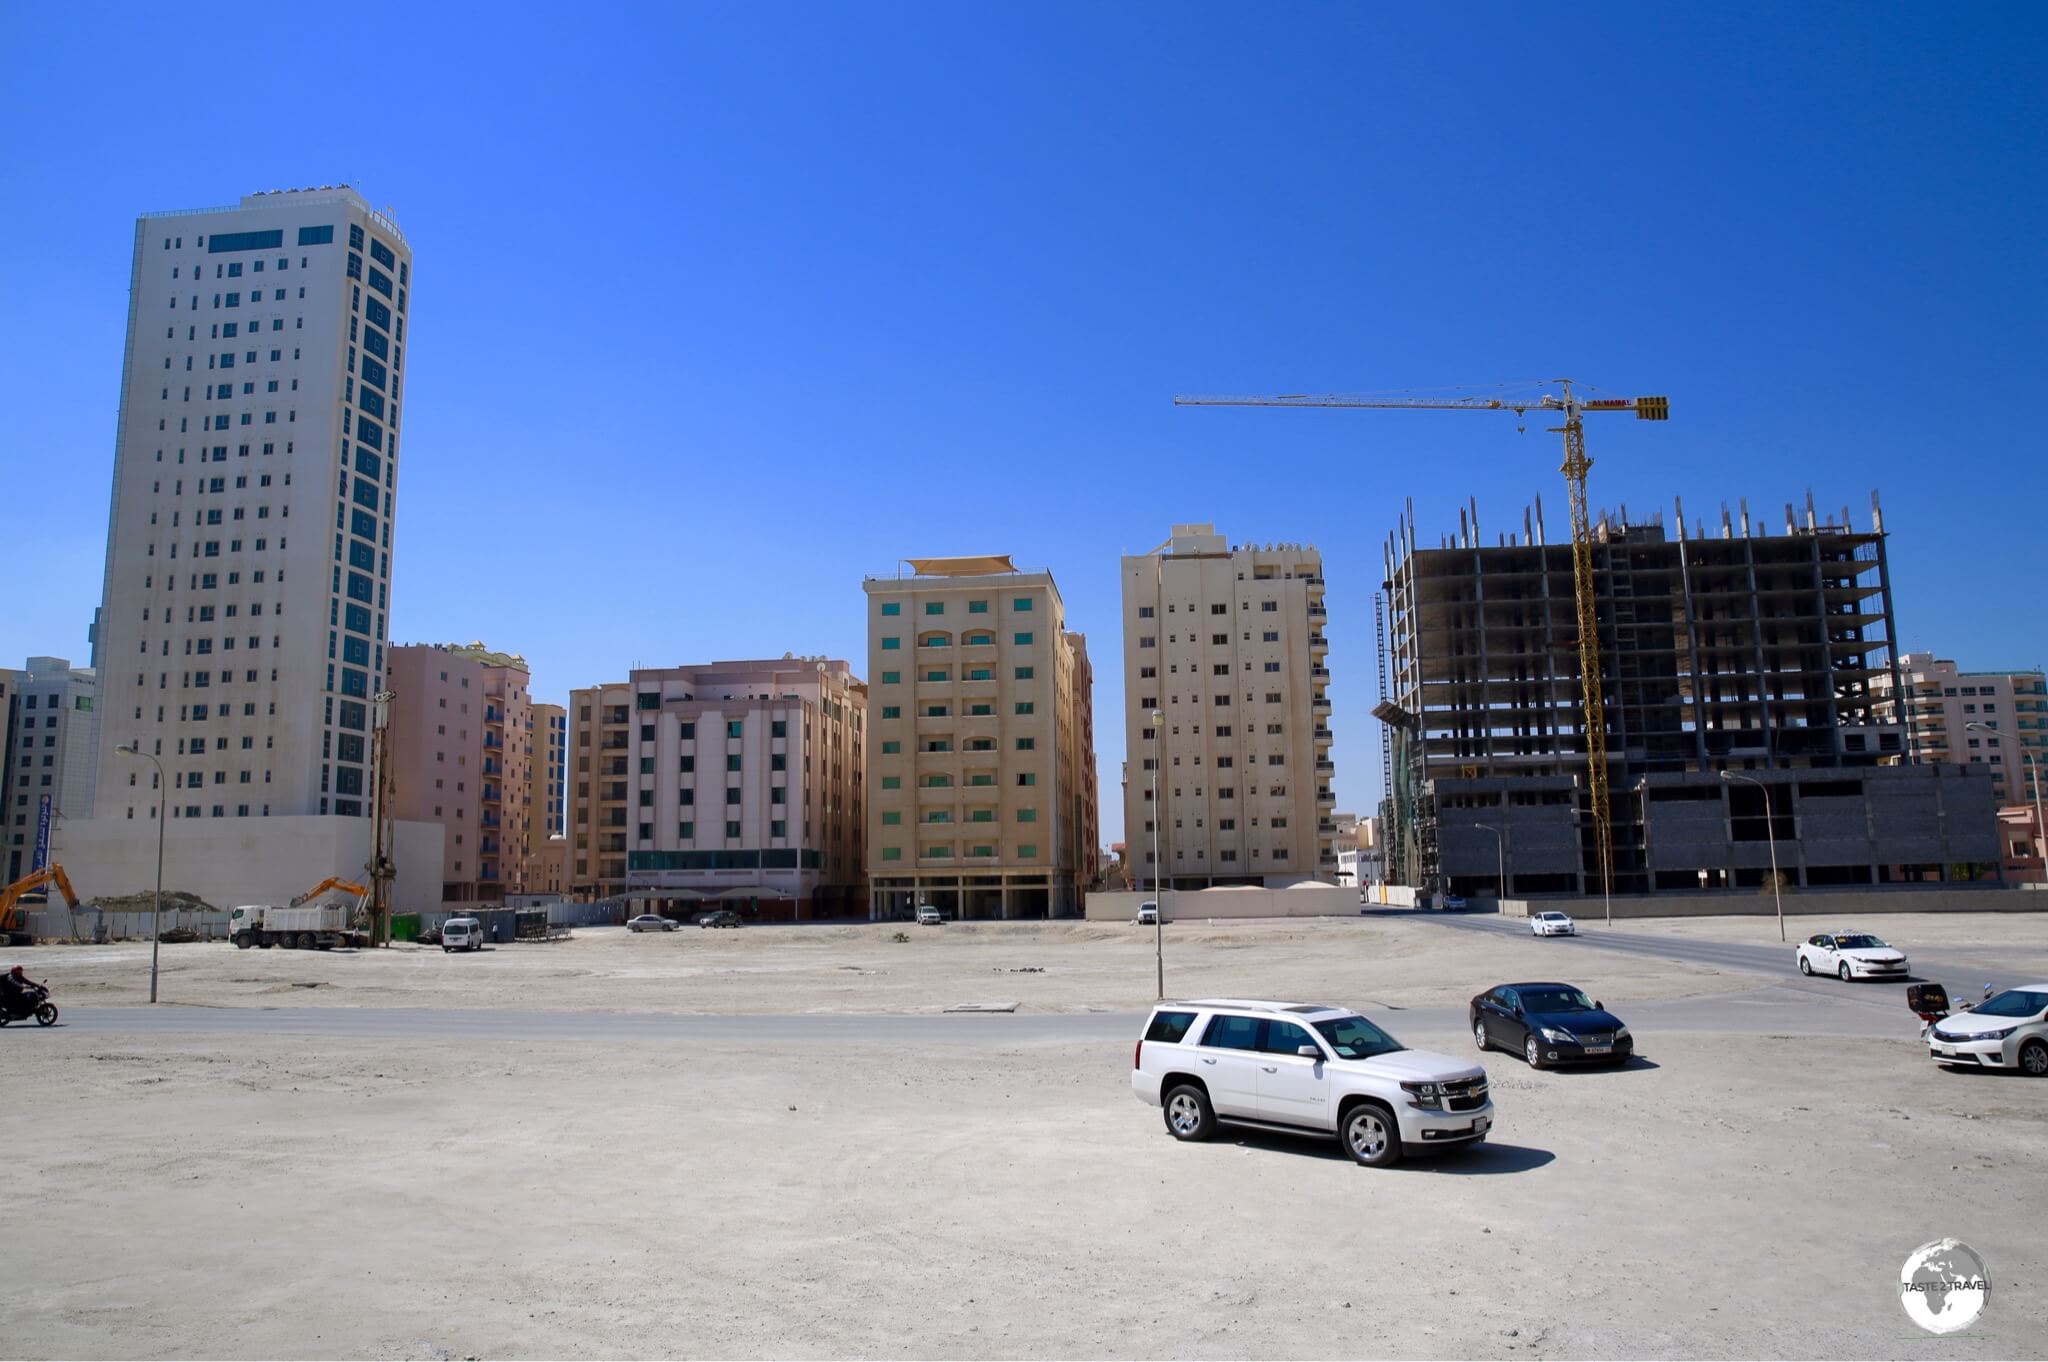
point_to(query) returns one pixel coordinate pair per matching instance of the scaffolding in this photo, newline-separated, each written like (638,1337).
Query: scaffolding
(1747,650)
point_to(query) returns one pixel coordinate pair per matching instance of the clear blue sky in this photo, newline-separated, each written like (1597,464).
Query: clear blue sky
(718,309)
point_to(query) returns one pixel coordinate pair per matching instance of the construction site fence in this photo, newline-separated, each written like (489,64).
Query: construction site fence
(93,924)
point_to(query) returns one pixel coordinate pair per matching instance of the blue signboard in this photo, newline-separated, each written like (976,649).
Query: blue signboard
(42,835)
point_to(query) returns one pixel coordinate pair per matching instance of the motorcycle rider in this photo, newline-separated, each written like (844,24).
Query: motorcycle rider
(17,994)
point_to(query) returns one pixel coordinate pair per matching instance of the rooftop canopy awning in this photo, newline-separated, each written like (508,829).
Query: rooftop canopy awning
(961,567)
(753,891)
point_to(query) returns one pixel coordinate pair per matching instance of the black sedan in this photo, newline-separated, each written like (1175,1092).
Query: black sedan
(723,917)
(1549,1024)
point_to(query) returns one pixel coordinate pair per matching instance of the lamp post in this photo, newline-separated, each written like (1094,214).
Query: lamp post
(2027,764)
(1770,827)
(156,916)
(1501,850)
(1158,817)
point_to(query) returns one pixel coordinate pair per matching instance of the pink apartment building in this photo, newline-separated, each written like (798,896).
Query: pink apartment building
(461,753)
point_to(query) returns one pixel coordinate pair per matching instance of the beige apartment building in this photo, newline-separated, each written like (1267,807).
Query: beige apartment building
(2009,709)
(977,799)
(745,789)
(461,752)
(1225,644)
(600,761)
(1084,780)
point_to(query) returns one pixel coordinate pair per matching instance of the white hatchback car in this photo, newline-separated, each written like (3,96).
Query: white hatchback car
(1552,924)
(1850,955)
(2008,1030)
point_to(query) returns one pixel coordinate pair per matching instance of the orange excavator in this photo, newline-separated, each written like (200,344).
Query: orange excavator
(12,922)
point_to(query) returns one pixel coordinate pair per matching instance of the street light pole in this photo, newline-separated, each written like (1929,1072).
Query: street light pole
(1501,853)
(1159,905)
(2027,764)
(1770,827)
(156,916)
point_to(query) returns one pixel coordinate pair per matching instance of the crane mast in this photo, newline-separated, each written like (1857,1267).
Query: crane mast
(1575,467)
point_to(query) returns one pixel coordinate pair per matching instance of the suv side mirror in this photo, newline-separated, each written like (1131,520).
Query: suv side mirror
(1308,1052)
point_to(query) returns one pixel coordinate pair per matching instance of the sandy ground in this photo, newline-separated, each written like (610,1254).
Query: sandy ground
(1046,967)
(1726,1197)
(1992,935)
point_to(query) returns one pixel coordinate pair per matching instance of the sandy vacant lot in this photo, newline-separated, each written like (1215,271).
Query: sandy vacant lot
(1996,935)
(1056,967)
(1727,1198)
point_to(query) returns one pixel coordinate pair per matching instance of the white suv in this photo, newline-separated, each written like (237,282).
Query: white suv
(1304,1068)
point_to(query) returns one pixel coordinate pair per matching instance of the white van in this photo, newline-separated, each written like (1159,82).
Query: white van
(462,934)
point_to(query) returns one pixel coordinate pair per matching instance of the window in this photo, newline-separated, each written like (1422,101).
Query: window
(1027,777)
(892,711)
(892,607)
(1028,852)
(892,853)
(1027,815)
(935,607)
(892,782)
(891,644)
(1144,612)
(778,728)
(1025,707)
(1023,603)
(1026,744)
(977,607)
(1148,640)
(686,831)
(732,727)
(1216,609)
(1024,673)
(1022,640)
(732,761)
(1269,606)
(892,678)
(732,794)
(892,818)
(974,638)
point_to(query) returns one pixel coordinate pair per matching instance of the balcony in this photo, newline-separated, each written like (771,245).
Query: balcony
(1326,766)
(1319,673)
(1320,704)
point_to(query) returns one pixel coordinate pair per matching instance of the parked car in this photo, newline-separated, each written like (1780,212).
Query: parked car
(2008,1030)
(1148,914)
(651,922)
(1452,903)
(1304,1068)
(1850,955)
(722,917)
(1552,924)
(1549,1024)
(462,934)
(928,916)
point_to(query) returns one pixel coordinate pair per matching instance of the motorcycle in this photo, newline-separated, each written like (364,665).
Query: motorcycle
(33,1003)
(1930,1002)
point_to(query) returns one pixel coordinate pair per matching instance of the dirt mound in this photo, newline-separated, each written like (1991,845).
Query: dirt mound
(175,901)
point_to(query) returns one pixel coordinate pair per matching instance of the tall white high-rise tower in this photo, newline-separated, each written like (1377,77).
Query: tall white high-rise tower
(248,574)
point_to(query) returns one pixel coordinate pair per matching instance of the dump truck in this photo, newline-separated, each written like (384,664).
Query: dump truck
(303,924)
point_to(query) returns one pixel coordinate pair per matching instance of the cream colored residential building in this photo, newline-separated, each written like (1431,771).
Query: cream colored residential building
(1226,644)
(600,762)
(977,802)
(745,789)
(1993,722)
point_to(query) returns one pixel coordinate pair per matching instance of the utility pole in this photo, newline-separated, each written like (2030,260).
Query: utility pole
(382,872)
(1159,899)
(1770,826)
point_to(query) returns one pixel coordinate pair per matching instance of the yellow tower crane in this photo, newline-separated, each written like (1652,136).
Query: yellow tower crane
(1574,468)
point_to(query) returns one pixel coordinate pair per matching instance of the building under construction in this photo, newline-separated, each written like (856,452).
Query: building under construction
(1741,651)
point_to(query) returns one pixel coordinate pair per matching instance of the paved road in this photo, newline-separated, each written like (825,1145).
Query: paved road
(1964,973)
(1777,1010)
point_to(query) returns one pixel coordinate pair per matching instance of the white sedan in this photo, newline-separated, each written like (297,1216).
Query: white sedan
(652,922)
(1850,955)
(1552,924)
(2008,1030)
